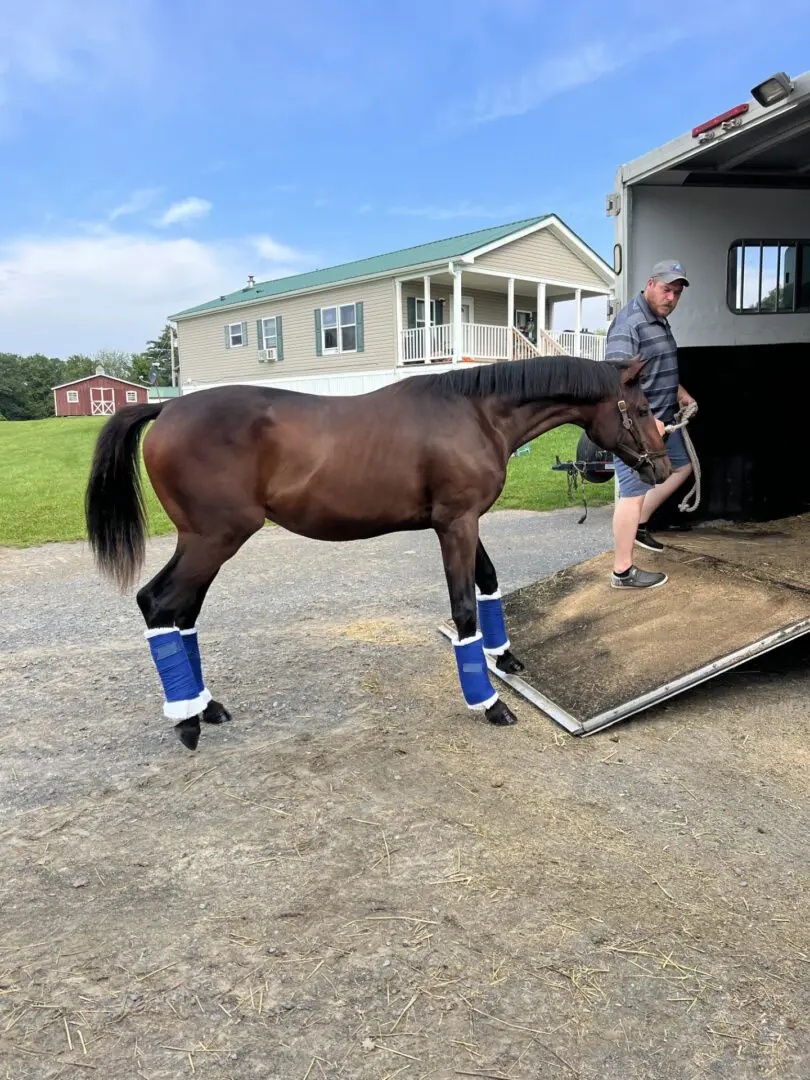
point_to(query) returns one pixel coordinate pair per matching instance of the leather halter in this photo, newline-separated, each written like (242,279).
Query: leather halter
(645,457)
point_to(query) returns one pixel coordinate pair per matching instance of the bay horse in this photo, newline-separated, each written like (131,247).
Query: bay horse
(427,452)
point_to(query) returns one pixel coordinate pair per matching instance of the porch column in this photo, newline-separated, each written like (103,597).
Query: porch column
(510,316)
(541,312)
(398,318)
(458,330)
(578,322)
(428,351)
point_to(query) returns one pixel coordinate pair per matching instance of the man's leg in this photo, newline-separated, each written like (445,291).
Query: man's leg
(661,492)
(626,518)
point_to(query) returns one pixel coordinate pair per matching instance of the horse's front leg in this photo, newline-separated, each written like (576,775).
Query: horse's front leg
(490,614)
(458,543)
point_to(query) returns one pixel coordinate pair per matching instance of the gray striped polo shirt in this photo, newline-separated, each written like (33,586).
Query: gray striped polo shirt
(636,330)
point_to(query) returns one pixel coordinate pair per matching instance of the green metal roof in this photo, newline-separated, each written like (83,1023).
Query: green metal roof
(436,251)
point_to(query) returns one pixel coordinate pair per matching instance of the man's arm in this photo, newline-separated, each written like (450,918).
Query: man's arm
(622,342)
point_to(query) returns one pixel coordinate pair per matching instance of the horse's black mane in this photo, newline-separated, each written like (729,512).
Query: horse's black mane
(565,378)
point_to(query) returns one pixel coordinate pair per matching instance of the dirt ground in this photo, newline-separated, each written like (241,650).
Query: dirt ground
(358,878)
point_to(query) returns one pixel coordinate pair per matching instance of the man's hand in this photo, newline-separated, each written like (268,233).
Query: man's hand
(660,425)
(685,398)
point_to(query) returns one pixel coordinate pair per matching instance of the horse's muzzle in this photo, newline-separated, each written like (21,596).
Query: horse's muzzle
(662,468)
(647,473)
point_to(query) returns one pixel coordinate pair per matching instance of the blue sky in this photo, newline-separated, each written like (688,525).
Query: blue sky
(156,152)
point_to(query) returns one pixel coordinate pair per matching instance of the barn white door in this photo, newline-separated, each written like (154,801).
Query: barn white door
(102,401)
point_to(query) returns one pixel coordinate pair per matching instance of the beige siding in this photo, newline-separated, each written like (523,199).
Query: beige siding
(205,359)
(541,255)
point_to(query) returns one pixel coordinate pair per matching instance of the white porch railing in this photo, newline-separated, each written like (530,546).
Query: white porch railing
(441,343)
(591,346)
(485,341)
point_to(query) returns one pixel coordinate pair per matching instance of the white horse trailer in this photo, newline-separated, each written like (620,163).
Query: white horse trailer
(731,200)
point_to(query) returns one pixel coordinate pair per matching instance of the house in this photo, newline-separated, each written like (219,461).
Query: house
(96,395)
(490,296)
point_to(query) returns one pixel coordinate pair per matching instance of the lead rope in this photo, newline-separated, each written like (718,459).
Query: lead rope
(681,420)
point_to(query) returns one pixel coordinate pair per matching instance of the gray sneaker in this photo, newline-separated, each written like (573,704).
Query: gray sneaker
(638,579)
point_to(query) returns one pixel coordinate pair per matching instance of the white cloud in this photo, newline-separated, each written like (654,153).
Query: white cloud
(555,74)
(111,289)
(138,201)
(268,248)
(185,210)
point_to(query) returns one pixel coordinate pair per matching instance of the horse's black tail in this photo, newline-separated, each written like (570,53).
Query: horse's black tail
(114,506)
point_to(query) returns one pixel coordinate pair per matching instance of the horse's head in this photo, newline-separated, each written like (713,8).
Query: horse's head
(627,427)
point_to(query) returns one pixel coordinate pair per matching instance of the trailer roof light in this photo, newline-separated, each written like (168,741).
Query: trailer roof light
(777,88)
(716,121)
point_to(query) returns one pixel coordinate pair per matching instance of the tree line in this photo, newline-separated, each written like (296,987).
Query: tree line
(26,382)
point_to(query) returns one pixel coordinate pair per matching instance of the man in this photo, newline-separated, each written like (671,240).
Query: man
(642,327)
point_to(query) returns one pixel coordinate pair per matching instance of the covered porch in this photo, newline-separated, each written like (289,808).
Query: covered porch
(485,315)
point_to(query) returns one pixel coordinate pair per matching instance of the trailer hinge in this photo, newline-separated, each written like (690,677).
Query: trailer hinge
(613,204)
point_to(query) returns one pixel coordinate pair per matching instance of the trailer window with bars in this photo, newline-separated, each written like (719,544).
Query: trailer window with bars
(768,277)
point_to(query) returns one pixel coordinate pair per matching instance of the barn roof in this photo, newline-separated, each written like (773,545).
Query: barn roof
(112,378)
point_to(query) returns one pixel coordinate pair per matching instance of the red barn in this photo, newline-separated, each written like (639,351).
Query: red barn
(97,395)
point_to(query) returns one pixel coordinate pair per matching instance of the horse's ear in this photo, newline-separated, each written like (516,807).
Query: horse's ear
(632,369)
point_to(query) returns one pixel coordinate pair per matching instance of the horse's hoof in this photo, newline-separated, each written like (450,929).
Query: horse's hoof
(216,713)
(188,732)
(509,664)
(500,714)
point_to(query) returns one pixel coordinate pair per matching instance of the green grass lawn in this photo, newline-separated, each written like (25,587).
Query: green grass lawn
(44,466)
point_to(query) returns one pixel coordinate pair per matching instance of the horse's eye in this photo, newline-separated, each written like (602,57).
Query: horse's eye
(643,412)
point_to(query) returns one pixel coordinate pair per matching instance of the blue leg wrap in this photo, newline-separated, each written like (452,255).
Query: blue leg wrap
(490,618)
(183,699)
(473,674)
(193,653)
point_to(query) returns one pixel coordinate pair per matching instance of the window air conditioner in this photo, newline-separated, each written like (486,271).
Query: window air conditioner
(268,356)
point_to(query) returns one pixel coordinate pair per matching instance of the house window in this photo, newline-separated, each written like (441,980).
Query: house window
(236,335)
(339,328)
(132,395)
(73,397)
(270,333)
(768,276)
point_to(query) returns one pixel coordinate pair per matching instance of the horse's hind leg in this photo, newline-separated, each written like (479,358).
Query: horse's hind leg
(170,604)
(490,614)
(458,544)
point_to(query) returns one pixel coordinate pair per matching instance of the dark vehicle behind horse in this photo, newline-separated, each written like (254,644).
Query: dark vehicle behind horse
(428,452)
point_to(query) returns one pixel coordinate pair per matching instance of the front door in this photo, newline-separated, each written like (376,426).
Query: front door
(526,322)
(102,401)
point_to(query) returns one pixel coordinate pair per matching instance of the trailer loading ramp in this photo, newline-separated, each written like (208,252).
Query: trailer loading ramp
(595,656)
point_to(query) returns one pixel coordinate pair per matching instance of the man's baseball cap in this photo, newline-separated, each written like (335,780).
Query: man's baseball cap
(670,270)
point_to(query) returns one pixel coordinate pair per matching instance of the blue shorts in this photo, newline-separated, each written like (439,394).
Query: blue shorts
(631,484)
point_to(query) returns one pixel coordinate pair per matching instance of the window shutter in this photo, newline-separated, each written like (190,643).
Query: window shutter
(360,332)
(411,312)
(318,341)
(244,333)
(227,335)
(279,338)
(439,312)
(259,334)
